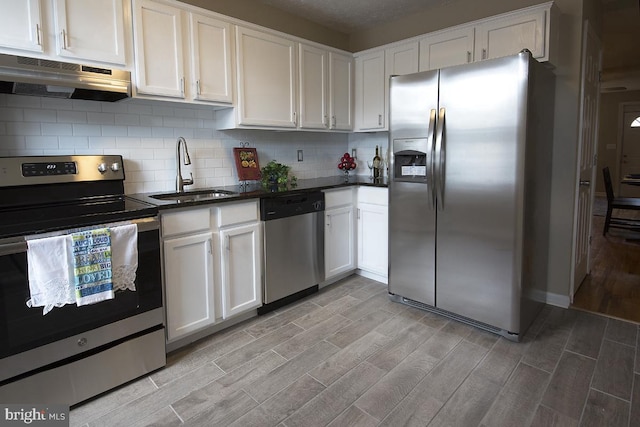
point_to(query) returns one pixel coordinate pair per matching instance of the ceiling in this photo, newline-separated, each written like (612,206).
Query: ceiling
(349,16)
(621,27)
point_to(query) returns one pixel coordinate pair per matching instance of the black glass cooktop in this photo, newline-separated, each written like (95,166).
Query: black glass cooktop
(63,215)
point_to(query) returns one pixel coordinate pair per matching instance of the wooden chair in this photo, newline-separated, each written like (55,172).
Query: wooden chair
(625,203)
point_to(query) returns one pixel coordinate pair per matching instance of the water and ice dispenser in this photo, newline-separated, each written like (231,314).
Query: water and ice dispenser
(410,159)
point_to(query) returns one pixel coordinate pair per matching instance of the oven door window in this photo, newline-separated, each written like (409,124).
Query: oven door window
(23,328)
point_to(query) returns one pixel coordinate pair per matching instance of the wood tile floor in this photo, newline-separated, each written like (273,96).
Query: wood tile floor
(348,356)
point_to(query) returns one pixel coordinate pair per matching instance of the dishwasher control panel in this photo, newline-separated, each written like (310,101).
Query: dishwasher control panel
(293,204)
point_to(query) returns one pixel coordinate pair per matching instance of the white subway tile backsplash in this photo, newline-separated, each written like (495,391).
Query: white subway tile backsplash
(150,121)
(65,116)
(86,130)
(170,121)
(162,109)
(162,132)
(56,104)
(139,131)
(39,115)
(23,128)
(72,143)
(11,114)
(23,101)
(83,105)
(127,119)
(145,134)
(141,109)
(108,130)
(41,142)
(102,142)
(57,129)
(101,118)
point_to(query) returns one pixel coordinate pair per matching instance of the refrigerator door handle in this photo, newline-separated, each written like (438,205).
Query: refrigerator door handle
(440,157)
(430,159)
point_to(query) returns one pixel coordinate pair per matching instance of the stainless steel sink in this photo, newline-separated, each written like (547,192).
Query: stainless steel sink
(194,196)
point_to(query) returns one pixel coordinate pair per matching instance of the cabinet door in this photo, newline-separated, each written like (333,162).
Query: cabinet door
(90,29)
(339,241)
(370,108)
(21,25)
(158,48)
(241,259)
(313,79)
(340,91)
(266,79)
(189,287)
(447,48)
(210,59)
(373,238)
(509,35)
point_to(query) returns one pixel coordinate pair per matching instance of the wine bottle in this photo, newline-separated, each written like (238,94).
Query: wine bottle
(376,165)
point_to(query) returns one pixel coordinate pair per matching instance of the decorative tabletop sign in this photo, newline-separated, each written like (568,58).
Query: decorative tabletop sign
(247,163)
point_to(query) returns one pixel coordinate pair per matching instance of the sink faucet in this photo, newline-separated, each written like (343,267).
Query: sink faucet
(180,182)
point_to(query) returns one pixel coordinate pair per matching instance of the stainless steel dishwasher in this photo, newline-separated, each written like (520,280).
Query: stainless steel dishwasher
(293,247)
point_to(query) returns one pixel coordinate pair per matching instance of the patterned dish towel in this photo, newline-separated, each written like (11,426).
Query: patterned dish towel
(92,266)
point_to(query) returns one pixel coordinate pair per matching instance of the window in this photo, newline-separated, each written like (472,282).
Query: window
(636,123)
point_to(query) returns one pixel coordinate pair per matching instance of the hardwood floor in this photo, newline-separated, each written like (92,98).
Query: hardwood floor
(348,356)
(613,287)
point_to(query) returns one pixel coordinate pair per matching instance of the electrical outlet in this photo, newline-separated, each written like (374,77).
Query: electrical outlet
(300,157)
(354,154)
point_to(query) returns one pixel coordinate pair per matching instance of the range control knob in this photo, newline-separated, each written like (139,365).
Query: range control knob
(102,167)
(115,167)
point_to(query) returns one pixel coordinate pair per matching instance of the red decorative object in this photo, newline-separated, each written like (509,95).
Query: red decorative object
(247,163)
(347,163)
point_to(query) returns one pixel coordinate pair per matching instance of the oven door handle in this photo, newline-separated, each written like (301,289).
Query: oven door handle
(147,224)
(12,248)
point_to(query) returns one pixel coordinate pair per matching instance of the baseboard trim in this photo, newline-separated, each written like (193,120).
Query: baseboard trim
(372,276)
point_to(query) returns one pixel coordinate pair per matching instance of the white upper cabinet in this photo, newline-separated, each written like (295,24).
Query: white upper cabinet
(446,48)
(325,88)
(21,24)
(81,31)
(90,29)
(370,91)
(211,78)
(510,34)
(533,28)
(266,72)
(340,91)
(181,54)
(313,81)
(401,59)
(158,49)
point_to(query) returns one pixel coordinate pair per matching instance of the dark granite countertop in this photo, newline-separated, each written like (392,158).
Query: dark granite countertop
(256,191)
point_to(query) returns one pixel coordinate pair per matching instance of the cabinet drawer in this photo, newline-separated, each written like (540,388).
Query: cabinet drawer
(187,221)
(333,198)
(237,213)
(376,196)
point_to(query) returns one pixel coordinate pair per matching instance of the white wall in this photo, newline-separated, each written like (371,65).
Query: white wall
(145,134)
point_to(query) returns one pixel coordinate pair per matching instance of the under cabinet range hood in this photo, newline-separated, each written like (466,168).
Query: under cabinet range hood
(43,77)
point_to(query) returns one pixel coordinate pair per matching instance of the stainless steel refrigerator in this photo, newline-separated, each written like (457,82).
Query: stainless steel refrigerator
(469,191)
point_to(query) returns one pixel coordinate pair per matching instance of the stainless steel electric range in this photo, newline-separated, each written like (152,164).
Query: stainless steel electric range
(74,352)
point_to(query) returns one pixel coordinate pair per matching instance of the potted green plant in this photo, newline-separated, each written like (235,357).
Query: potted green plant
(276,174)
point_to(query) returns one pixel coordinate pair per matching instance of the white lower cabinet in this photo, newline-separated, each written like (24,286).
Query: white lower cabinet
(212,265)
(373,226)
(189,286)
(339,233)
(241,268)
